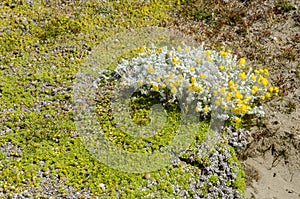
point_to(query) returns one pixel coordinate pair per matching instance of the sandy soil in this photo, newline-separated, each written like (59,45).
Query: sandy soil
(272,160)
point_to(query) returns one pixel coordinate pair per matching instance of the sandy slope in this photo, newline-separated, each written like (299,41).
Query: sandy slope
(272,161)
(273,181)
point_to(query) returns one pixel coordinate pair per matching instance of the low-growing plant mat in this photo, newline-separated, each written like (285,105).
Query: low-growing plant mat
(42,44)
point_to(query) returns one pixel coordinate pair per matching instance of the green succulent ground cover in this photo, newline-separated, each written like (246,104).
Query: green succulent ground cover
(41,48)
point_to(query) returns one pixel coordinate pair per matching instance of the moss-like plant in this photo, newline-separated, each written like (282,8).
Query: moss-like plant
(239,182)
(213,179)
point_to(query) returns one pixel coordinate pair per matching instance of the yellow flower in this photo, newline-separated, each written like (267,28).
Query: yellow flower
(157,79)
(208,59)
(163,85)
(229,95)
(218,102)
(179,48)
(253,77)
(264,82)
(140,82)
(237,120)
(175,60)
(247,98)
(261,70)
(260,78)
(242,75)
(197,60)
(256,71)
(150,69)
(171,75)
(254,89)
(238,110)
(193,79)
(271,89)
(239,101)
(242,61)
(178,82)
(208,52)
(158,51)
(266,71)
(223,89)
(142,50)
(243,109)
(197,88)
(202,76)
(230,83)
(223,53)
(221,67)
(192,68)
(149,51)
(249,108)
(238,95)
(232,89)
(155,87)
(268,95)
(205,108)
(180,77)
(173,90)
(186,50)
(263,97)
(276,90)
(235,110)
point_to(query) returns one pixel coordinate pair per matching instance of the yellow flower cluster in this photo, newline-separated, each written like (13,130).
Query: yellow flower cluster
(224,53)
(194,86)
(261,83)
(175,61)
(242,61)
(242,75)
(150,69)
(236,95)
(212,78)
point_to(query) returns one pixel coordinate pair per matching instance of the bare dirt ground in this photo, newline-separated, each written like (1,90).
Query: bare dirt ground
(267,33)
(272,160)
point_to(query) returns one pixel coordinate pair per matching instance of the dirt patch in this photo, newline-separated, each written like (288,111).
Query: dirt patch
(272,159)
(273,181)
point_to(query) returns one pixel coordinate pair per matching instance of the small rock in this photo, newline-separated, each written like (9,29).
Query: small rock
(102,186)
(147,176)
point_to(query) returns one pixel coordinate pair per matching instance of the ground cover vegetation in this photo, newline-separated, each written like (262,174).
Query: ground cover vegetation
(42,45)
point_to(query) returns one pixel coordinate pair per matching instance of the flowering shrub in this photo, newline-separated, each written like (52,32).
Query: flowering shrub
(212,79)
